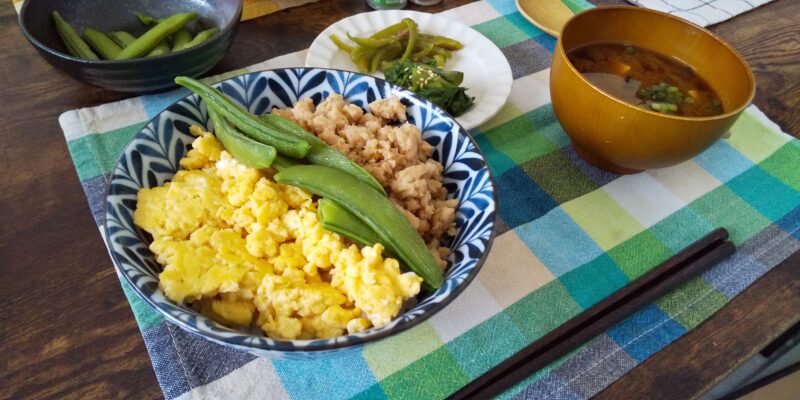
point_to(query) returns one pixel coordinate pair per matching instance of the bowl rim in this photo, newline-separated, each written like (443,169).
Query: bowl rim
(142,60)
(287,346)
(750,77)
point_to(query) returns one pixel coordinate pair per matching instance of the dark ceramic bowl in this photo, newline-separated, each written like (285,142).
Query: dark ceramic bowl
(138,75)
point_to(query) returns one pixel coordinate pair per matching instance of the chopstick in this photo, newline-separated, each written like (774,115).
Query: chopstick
(595,320)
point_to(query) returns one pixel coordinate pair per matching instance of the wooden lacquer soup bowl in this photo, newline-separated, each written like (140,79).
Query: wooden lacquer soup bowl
(621,137)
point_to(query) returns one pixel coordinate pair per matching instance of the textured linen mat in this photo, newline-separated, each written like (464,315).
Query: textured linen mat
(250,8)
(571,235)
(702,12)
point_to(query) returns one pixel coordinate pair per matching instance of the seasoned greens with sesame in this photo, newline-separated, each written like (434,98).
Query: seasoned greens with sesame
(435,84)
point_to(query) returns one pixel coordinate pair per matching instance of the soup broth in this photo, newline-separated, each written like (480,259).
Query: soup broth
(647,79)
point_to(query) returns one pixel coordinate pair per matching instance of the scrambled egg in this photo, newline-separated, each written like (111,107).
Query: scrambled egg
(244,249)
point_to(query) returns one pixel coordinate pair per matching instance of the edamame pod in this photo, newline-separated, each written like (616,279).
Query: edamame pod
(249,124)
(245,150)
(322,154)
(74,43)
(101,43)
(156,35)
(373,209)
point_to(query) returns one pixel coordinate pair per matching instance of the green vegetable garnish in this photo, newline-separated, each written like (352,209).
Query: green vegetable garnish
(373,209)
(663,98)
(435,84)
(286,143)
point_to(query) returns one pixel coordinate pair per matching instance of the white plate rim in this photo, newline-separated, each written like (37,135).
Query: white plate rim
(498,77)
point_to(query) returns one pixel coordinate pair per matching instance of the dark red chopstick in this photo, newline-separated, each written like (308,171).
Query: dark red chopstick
(595,320)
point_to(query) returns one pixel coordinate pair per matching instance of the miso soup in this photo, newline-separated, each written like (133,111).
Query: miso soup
(647,79)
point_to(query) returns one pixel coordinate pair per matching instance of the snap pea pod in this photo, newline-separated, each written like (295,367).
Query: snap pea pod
(372,208)
(200,38)
(74,43)
(322,154)
(285,143)
(280,162)
(335,218)
(247,151)
(180,38)
(121,38)
(156,35)
(101,43)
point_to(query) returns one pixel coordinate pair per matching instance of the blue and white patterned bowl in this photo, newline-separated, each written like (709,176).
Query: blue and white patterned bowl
(151,159)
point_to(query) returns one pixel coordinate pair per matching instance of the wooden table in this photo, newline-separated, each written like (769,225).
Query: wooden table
(66,330)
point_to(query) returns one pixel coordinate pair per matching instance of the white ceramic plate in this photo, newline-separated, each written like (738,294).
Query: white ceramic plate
(487,74)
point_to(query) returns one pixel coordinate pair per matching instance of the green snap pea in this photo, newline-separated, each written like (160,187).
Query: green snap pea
(101,43)
(335,218)
(249,124)
(121,38)
(247,151)
(156,35)
(373,209)
(75,45)
(322,154)
(200,38)
(280,162)
(180,38)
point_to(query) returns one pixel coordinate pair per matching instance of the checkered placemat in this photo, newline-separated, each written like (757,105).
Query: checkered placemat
(570,236)
(702,12)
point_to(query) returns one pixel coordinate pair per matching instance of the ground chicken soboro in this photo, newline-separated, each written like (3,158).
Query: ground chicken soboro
(395,155)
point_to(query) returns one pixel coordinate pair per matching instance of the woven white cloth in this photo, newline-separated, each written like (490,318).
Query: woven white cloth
(702,12)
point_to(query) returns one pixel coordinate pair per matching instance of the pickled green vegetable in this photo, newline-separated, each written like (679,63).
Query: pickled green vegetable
(379,50)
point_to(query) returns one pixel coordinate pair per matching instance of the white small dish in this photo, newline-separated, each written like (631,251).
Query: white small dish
(487,74)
